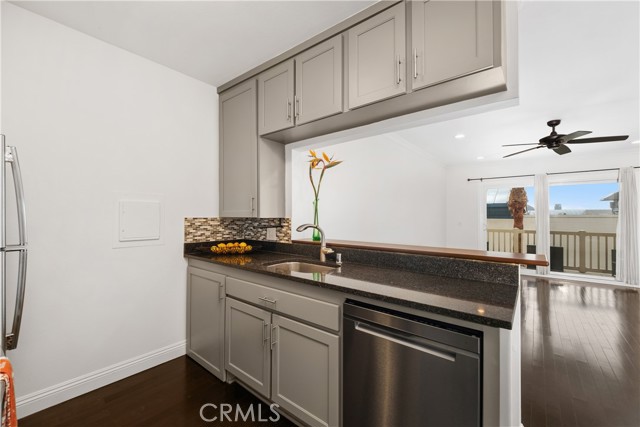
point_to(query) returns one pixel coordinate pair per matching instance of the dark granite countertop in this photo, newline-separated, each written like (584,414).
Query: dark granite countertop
(408,280)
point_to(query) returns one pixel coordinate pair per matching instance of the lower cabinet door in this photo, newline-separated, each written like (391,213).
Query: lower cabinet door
(205,319)
(305,370)
(247,343)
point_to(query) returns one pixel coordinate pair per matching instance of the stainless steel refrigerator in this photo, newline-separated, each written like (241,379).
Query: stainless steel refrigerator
(9,339)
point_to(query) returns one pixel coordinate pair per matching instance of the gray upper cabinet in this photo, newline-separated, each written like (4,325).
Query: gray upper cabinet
(391,59)
(205,319)
(238,151)
(450,39)
(275,98)
(318,88)
(377,57)
(319,81)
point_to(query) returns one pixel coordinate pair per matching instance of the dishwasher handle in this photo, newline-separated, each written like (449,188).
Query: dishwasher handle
(397,339)
(444,334)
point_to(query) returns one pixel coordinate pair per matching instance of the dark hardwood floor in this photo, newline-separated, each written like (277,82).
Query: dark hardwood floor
(580,354)
(580,367)
(169,395)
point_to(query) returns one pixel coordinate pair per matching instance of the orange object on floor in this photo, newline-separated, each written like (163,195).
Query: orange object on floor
(9,418)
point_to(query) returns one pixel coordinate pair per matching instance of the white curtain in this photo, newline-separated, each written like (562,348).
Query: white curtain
(627,265)
(541,183)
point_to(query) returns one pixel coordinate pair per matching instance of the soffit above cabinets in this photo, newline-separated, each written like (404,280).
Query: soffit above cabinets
(212,41)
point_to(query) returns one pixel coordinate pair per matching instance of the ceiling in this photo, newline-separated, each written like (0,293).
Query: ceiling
(578,61)
(212,41)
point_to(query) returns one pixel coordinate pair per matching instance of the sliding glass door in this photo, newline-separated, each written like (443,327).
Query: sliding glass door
(583,219)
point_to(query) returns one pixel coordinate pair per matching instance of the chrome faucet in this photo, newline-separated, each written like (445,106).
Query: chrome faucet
(324,250)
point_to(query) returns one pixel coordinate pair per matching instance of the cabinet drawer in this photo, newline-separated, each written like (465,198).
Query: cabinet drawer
(311,310)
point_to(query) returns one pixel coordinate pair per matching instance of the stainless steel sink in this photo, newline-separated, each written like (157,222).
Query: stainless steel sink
(299,267)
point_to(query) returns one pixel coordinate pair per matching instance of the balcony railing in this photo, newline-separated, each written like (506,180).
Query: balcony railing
(582,251)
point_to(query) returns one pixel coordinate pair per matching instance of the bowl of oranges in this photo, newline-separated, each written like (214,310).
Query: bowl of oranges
(231,248)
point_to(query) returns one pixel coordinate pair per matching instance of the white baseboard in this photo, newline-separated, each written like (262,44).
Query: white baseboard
(50,396)
(577,277)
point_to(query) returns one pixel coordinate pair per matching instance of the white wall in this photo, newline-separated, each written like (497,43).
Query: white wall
(385,191)
(92,120)
(464,199)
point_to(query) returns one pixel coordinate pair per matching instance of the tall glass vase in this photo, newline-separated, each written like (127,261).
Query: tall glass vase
(316,233)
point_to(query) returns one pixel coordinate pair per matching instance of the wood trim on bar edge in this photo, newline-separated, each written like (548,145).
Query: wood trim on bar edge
(506,257)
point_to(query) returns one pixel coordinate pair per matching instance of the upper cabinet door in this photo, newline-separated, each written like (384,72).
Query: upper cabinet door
(275,98)
(319,81)
(377,57)
(238,151)
(450,39)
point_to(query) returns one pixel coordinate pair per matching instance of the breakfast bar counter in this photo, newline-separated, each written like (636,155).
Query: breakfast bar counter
(476,291)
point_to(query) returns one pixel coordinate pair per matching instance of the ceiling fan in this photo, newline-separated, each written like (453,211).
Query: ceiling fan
(557,141)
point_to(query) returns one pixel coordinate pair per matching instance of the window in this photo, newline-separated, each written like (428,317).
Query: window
(502,236)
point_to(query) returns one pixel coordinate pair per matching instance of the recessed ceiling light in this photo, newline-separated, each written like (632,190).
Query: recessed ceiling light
(636,142)
(480,158)
(459,136)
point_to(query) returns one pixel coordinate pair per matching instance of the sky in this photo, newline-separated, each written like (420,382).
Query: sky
(581,196)
(575,196)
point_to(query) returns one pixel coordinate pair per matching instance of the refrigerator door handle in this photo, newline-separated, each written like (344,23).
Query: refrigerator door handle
(11,156)
(3,202)
(3,242)
(12,337)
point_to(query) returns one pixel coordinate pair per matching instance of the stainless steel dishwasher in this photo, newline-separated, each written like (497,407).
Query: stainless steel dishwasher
(406,371)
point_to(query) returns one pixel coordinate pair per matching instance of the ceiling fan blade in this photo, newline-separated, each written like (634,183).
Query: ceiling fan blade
(523,151)
(574,135)
(515,145)
(562,149)
(599,139)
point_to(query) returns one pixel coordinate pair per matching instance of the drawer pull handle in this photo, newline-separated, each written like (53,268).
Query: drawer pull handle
(269,300)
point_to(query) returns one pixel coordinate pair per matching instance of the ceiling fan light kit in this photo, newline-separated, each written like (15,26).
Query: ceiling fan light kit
(557,142)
